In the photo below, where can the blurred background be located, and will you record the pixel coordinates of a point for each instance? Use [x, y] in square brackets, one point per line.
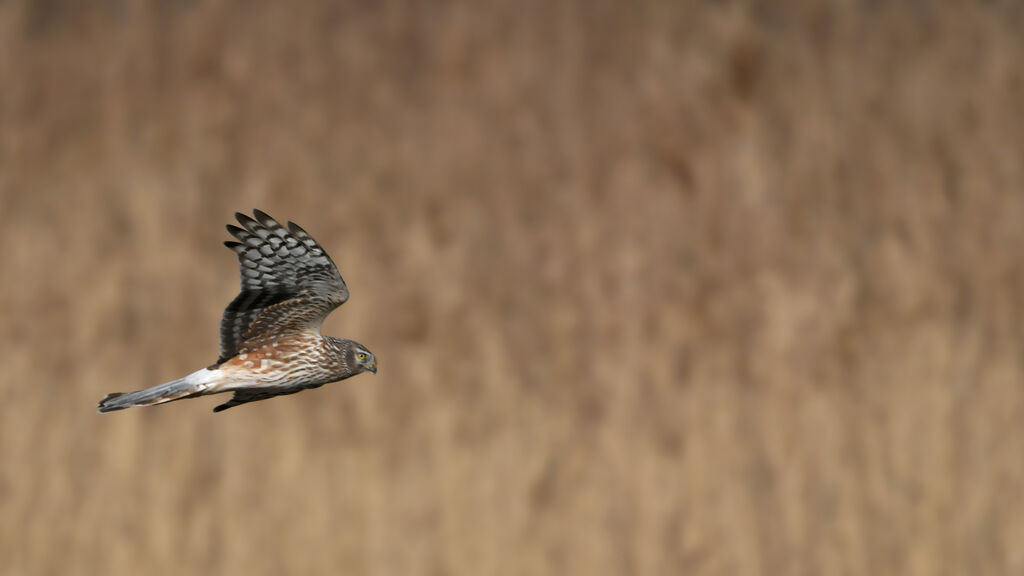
[702, 288]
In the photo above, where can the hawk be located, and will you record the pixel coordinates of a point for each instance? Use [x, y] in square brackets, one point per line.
[270, 341]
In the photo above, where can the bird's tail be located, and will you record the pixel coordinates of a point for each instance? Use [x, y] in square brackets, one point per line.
[194, 384]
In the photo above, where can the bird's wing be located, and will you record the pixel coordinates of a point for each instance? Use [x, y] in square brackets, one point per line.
[288, 283]
[245, 396]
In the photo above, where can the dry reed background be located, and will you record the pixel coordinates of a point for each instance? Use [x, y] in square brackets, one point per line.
[708, 288]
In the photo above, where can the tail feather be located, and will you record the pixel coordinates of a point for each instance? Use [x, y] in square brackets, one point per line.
[192, 385]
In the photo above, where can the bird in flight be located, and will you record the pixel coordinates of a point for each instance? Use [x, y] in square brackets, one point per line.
[270, 341]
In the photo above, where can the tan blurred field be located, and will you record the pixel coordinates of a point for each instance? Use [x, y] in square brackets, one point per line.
[668, 288]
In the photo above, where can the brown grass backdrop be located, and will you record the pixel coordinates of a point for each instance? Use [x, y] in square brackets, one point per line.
[703, 288]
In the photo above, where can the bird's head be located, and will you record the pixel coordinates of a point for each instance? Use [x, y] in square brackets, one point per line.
[355, 357]
[361, 359]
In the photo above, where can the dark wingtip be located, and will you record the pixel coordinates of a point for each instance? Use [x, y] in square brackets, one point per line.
[296, 229]
[263, 216]
[245, 220]
[236, 231]
[269, 223]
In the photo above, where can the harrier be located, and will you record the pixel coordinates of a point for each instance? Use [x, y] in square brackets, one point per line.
[270, 342]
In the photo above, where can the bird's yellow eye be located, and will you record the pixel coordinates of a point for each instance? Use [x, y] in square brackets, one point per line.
[361, 356]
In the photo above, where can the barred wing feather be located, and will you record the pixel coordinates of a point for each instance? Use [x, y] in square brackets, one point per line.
[288, 283]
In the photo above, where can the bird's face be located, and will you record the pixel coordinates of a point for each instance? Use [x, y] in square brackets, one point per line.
[364, 360]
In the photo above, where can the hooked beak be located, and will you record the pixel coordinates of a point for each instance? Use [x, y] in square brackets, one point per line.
[372, 367]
